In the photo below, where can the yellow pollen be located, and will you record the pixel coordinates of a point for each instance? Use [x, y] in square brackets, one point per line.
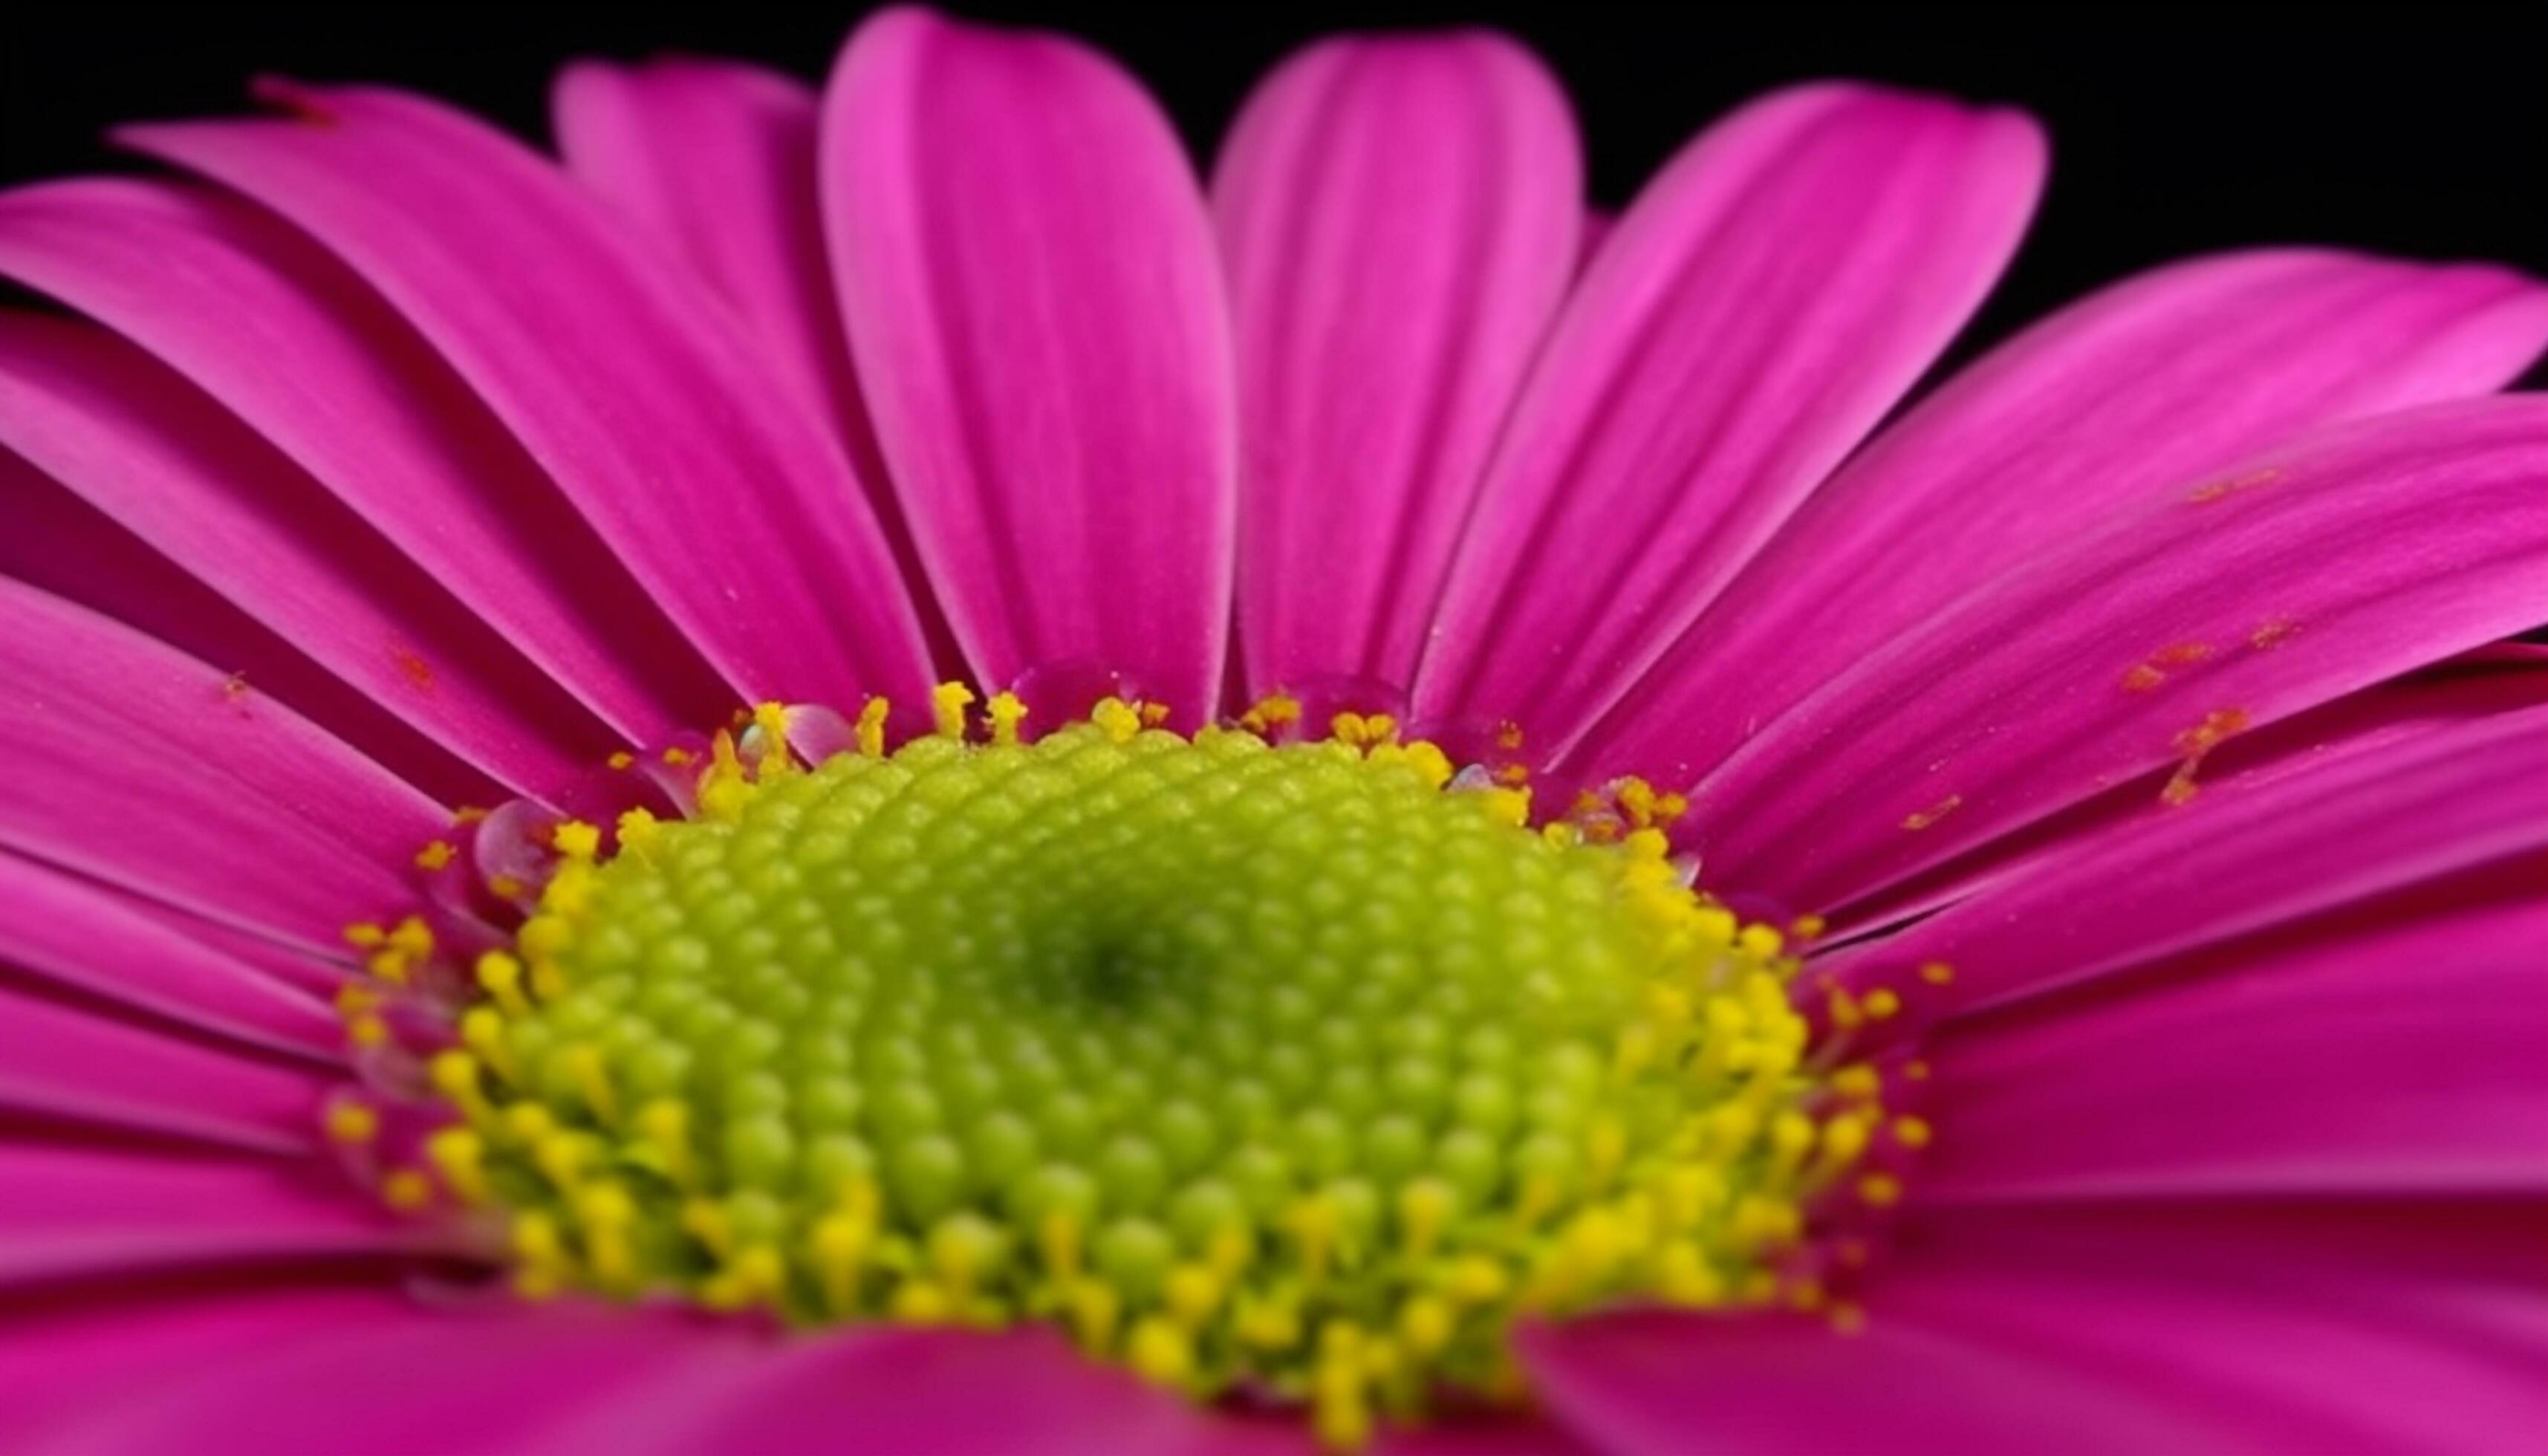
[949, 702]
[870, 728]
[1007, 711]
[406, 1190]
[1117, 719]
[1271, 714]
[770, 720]
[352, 1123]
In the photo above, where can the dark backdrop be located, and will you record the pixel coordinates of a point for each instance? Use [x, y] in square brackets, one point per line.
[2415, 129]
[2420, 130]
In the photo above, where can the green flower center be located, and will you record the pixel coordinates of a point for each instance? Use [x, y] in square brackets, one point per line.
[1294, 1068]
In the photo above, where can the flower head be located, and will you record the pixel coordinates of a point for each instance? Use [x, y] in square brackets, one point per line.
[863, 773]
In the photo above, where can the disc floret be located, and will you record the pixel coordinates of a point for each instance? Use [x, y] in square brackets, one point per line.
[1287, 1067]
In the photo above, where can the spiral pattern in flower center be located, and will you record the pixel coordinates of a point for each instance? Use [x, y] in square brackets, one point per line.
[1300, 1069]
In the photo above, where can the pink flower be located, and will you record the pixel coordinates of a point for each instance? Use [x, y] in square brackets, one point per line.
[2121, 723]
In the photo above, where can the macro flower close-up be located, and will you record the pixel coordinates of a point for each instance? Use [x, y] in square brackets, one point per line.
[880, 768]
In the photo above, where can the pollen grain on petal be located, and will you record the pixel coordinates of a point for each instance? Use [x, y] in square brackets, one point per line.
[2164, 666]
[2196, 744]
[2229, 485]
[413, 668]
[2273, 632]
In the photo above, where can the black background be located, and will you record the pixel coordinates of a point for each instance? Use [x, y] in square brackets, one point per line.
[2417, 129]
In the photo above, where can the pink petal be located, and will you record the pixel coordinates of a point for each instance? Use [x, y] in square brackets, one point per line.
[2336, 1327]
[276, 328]
[1028, 278]
[1488, 1433]
[2247, 857]
[79, 935]
[2367, 551]
[2151, 384]
[63, 545]
[1398, 216]
[145, 448]
[1765, 302]
[1597, 228]
[320, 974]
[143, 767]
[58, 1059]
[716, 159]
[2478, 1263]
[1680, 1384]
[382, 1375]
[907, 1390]
[65, 1362]
[2400, 1046]
[2200, 1329]
[80, 1213]
[321, 1371]
[2498, 679]
[621, 374]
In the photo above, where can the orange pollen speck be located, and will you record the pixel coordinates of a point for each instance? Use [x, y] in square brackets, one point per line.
[2272, 633]
[2197, 743]
[415, 668]
[2154, 671]
[2219, 490]
[1925, 818]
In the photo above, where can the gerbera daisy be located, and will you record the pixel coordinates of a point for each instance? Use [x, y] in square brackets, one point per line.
[865, 774]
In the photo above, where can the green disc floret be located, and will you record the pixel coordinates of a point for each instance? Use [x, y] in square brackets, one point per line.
[1298, 1067]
